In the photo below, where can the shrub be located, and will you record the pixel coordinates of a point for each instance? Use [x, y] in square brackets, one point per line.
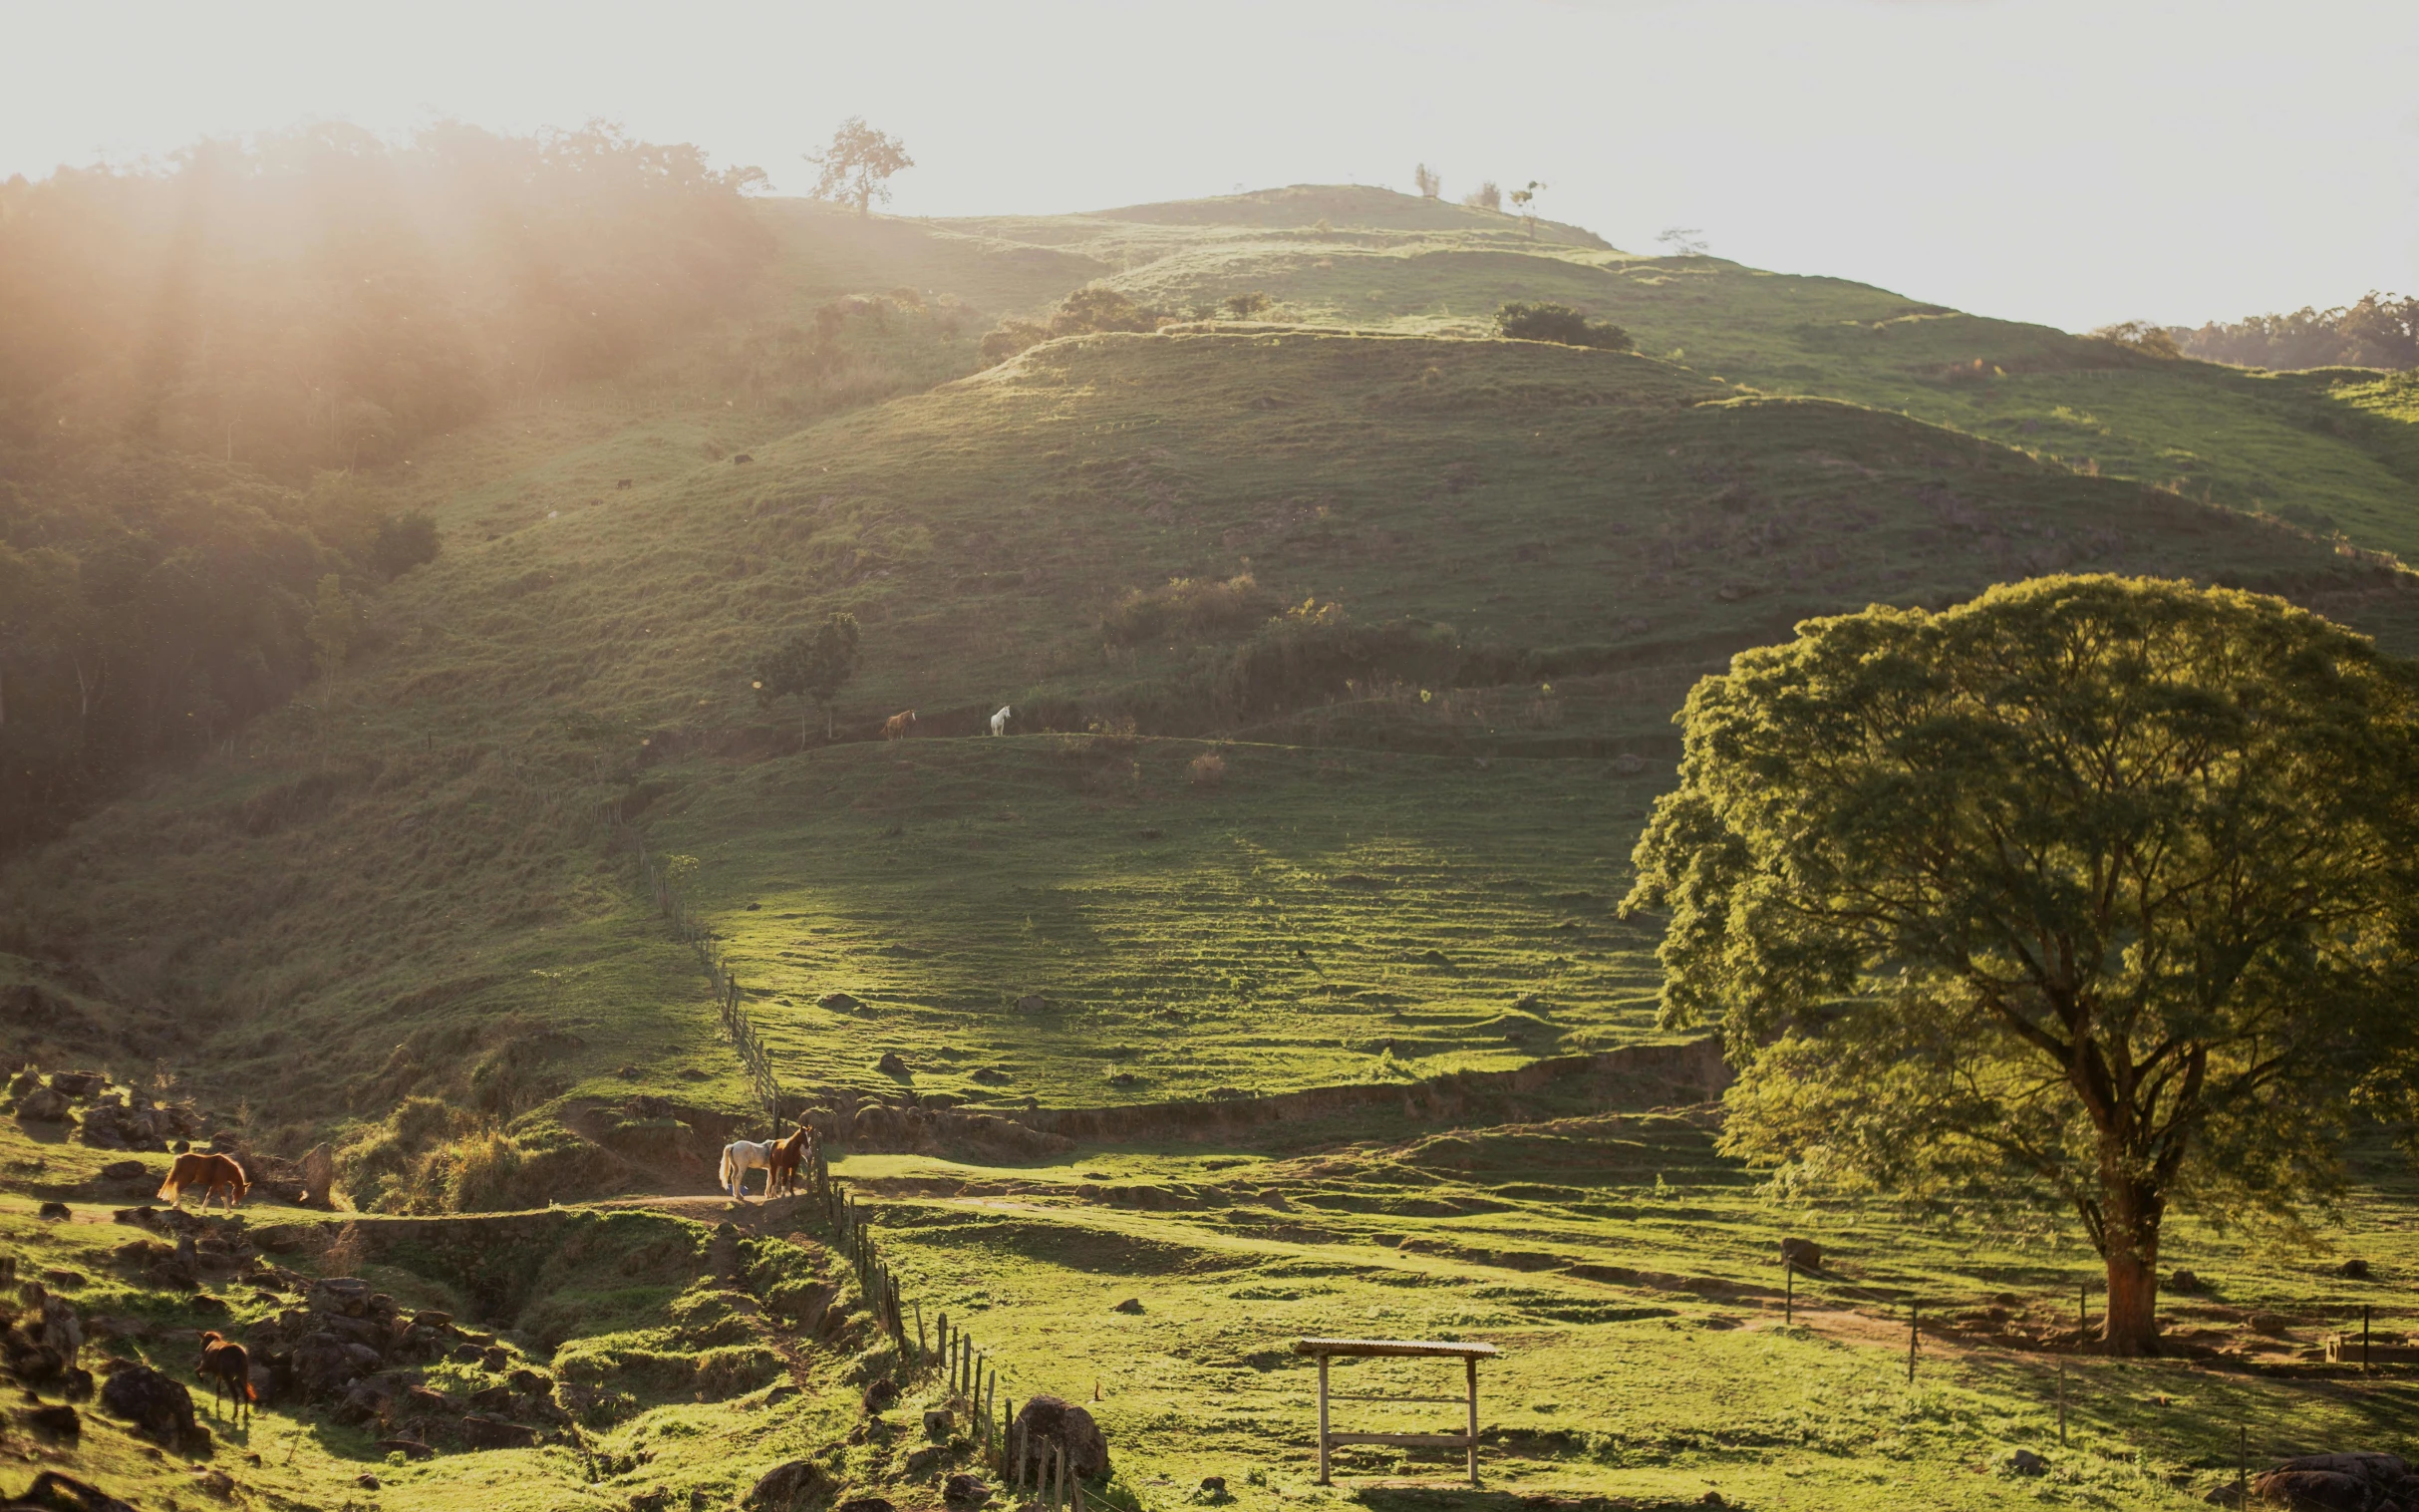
[404, 543]
[1559, 323]
[1094, 307]
[1208, 769]
[1246, 306]
[1314, 650]
[1198, 606]
[1487, 197]
[1010, 337]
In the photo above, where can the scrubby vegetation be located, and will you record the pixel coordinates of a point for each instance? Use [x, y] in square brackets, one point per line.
[2374, 331]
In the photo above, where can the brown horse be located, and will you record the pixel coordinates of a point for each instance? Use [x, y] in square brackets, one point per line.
[227, 1366]
[787, 1155]
[216, 1175]
[899, 725]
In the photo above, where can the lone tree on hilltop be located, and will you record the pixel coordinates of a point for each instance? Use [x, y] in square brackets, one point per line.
[2095, 893]
[1487, 197]
[811, 668]
[1553, 322]
[1427, 180]
[858, 165]
[1524, 200]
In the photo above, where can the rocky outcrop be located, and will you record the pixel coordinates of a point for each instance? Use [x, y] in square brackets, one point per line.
[159, 1408]
[2341, 1483]
[1049, 1422]
[788, 1485]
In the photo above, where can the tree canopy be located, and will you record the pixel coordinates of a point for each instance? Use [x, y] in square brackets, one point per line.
[2092, 892]
[812, 666]
[857, 167]
[1560, 323]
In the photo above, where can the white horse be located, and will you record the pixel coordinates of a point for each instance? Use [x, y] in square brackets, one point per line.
[738, 1158]
[999, 722]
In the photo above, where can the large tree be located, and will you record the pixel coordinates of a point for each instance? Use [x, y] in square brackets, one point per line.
[2093, 892]
[811, 668]
[856, 167]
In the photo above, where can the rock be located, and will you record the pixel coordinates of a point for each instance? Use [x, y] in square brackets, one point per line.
[891, 1065]
[1032, 1003]
[1130, 1305]
[217, 1483]
[324, 1364]
[54, 1492]
[78, 1084]
[41, 1106]
[122, 1170]
[2353, 1269]
[2184, 1281]
[1213, 1485]
[2025, 1463]
[2270, 1324]
[366, 1481]
[531, 1382]
[963, 1490]
[57, 1210]
[1801, 1254]
[922, 1461]
[56, 1418]
[788, 1484]
[492, 1400]
[409, 1448]
[483, 1432]
[429, 1318]
[340, 1294]
[839, 1003]
[864, 1504]
[319, 1177]
[495, 1358]
[159, 1408]
[938, 1422]
[1047, 1420]
[881, 1395]
[429, 1403]
[2314, 1490]
[465, 1354]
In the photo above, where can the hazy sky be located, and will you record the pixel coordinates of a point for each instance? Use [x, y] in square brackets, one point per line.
[2074, 161]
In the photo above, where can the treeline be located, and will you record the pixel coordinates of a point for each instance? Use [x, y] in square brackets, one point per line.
[201, 366]
[2375, 331]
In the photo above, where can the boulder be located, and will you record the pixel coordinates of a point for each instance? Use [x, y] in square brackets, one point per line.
[531, 1382]
[2314, 1490]
[864, 1504]
[839, 1003]
[124, 1170]
[324, 1364]
[1213, 1485]
[891, 1065]
[1801, 1254]
[340, 1294]
[41, 1106]
[319, 1176]
[2184, 1281]
[78, 1084]
[159, 1408]
[963, 1490]
[484, 1432]
[924, 1462]
[881, 1394]
[937, 1422]
[495, 1358]
[409, 1448]
[2025, 1463]
[792, 1483]
[55, 1210]
[492, 1400]
[54, 1419]
[54, 1492]
[1053, 1420]
[2353, 1269]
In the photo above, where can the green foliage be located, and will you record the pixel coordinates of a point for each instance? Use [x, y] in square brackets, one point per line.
[811, 668]
[1315, 649]
[1093, 308]
[1188, 607]
[2374, 331]
[335, 625]
[1555, 322]
[404, 541]
[2093, 890]
[1248, 306]
[856, 168]
[2141, 336]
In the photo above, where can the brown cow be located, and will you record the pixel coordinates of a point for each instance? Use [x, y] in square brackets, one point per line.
[227, 1366]
[216, 1175]
[899, 725]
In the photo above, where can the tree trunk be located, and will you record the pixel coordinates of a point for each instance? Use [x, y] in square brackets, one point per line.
[2131, 1323]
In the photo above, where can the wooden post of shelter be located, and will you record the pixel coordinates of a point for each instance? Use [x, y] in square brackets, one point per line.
[1324, 1349]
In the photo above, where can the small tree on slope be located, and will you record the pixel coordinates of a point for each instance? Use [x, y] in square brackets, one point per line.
[2093, 892]
[811, 668]
[856, 167]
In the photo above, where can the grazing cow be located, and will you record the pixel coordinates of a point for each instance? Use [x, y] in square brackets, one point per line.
[742, 1156]
[899, 725]
[227, 1366]
[741, 457]
[623, 482]
[216, 1175]
[999, 722]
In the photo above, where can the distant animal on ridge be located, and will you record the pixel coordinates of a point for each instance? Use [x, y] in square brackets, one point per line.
[216, 1175]
[781, 1179]
[739, 1158]
[227, 1366]
[999, 722]
[621, 482]
[899, 725]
